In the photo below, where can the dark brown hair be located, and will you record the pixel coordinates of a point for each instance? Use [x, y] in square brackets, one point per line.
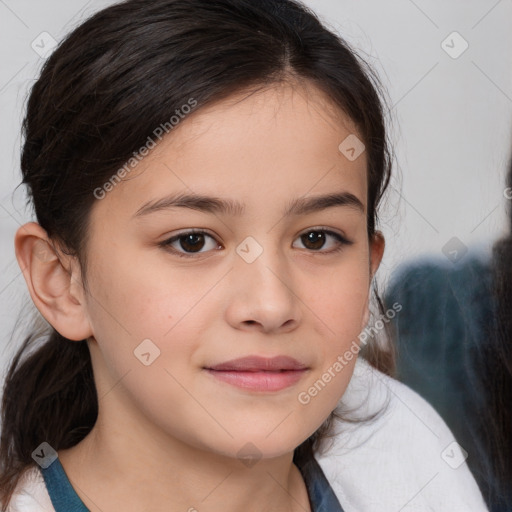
[102, 92]
[493, 367]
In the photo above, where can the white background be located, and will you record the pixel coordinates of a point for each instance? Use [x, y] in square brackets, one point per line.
[451, 119]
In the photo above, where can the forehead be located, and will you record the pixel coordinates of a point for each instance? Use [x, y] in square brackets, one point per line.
[261, 148]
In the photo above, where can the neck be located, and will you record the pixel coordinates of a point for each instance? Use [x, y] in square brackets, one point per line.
[141, 469]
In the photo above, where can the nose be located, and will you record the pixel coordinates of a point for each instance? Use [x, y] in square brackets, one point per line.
[263, 294]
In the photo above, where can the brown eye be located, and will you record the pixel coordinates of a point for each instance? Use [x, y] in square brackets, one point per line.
[315, 239]
[189, 243]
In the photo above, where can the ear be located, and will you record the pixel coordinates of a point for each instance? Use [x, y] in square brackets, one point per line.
[54, 282]
[377, 246]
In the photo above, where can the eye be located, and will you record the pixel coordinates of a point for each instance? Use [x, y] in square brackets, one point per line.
[315, 239]
[190, 241]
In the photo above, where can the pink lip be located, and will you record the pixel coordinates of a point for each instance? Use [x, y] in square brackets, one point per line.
[256, 363]
[259, 373]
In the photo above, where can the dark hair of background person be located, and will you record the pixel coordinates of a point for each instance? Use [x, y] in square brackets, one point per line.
[102, 92]
[493, 362]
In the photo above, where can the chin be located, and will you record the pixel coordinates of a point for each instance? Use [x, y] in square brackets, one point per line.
[260, 445]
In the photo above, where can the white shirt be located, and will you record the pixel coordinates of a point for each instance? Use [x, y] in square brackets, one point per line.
[406, 460]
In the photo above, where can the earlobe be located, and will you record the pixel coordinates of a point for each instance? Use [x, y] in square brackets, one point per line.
[52, 281]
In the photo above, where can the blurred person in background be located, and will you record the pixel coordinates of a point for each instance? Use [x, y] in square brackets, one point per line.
[454, 343]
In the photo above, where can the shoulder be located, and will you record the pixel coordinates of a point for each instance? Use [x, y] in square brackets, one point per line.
[405, 458]
[30, 495]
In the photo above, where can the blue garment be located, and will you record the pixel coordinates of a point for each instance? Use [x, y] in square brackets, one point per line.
[65, 499]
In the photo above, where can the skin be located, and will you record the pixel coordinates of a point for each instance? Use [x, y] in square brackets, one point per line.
[168, 434]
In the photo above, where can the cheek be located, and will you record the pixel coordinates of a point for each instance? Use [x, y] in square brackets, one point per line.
[339, 299]
[140, 299]
[340, 310]
[151, 314]
[146, 333]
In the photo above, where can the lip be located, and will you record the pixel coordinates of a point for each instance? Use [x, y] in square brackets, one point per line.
[258, 373]
[258, 363]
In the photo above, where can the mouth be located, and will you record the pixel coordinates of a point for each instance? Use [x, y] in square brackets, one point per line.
[259, 373]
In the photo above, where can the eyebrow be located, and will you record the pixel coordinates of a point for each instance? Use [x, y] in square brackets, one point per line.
[211, 204]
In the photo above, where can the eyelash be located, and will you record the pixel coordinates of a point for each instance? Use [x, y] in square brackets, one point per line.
[166, 244]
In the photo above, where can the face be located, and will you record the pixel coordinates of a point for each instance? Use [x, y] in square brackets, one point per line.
[170, 310]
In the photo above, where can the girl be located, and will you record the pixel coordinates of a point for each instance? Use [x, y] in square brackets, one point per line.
[206, 178]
